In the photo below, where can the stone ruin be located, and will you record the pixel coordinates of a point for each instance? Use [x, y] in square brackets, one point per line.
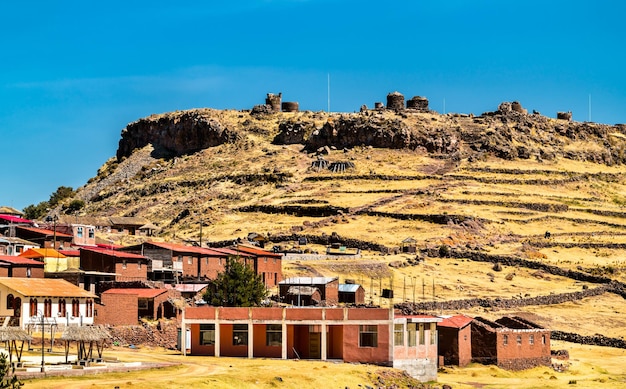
[290, 106]
[564, 115]
[341, 166]
[395, 100]
[418, 103]
[274, 101]
[515, 106]
[320, 163]
[379, 105]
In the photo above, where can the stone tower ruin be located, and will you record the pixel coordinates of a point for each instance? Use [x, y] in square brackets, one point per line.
[395, 100]
[418, 103]
[274, 101]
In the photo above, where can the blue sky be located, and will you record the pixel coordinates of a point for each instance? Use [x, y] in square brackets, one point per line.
[74, 73]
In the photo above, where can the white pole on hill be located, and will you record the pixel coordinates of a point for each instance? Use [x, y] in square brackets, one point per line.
[589, 106]
[328, 92]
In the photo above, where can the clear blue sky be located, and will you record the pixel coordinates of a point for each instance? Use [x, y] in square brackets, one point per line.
[74, 73]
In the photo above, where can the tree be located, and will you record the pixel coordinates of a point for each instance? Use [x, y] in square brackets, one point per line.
[6, 381]
[36, 212]
[62, 193]
[236, 286]
[75, 205]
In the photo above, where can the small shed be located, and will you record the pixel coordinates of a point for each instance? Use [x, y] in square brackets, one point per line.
[351, 294]
[409, 245]
[455, 340]
[302, 296]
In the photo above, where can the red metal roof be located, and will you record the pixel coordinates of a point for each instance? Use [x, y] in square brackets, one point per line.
[187, 249]
[20, 261]
[458, 321]
[232, 252]
[44, 231]
[109, 246]
[15, 219]
[114, 253]
[141, 293]
[70, 253]
[257, 251]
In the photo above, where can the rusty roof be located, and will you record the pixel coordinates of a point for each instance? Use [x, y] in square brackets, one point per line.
[139, 292]
[113, 253]
[20, 260]
[187, 249]
[45, 232]
[457, 321]
[44, 287]
[257, 251]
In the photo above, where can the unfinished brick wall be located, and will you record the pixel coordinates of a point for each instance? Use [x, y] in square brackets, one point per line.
[117, 310]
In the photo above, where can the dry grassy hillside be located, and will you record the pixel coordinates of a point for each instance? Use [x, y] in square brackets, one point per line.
[490, 185]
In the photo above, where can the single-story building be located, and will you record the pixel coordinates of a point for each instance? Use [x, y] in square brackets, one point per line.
[455, 340]
[119, 306]
[25, 300]
[351, 294]
[328, 287]
[356, 335]
[12, 266]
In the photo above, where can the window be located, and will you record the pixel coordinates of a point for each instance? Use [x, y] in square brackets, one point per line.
[92, 233]
[543, 339]
[139, 264]
[75, 308]
[124, 264]
[142, 304]
[10, 301]
[273, 334]
[531, 339]
[265, 259]
[240, 334]
[180, 258]
[422, 336]
[89, 312]
[47, 308]
[79, 232]
[505, 339]
[411, 329]
[519, 339]
[33, 307]
[368, 336]
[28, 272]
[263, 277]
[190, 260]
[398, 334]
[62, 310]
[207, 334]
[433, 333]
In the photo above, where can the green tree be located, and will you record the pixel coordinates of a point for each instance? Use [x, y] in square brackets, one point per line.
[35, 212]
[236, 286]
[7, 381]
[75, 205]
[62, 193]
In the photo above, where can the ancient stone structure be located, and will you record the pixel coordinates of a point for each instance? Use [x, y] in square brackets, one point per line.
[379, 105]
[395, 100]
[291, 133]
[564, 115]
[517, 107]
[418, 103]
[274, 101]
[290, 106]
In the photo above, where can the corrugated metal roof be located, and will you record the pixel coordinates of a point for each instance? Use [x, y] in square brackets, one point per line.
[307, 280]
[44, 231]
[20, 260]
[115, 253]
[349, 288]
[256, 251]
[44, 287]
[42, 253]
[458, 321]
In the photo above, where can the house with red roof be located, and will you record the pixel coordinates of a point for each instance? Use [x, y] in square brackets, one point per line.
[44, 238]
[267, 264]
[12, 266]
[122, 265]
[126, 306]
[455, 340]
[15, 246]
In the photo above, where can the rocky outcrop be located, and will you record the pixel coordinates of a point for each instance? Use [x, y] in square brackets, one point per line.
[176, 133]
[291, 133]
[362, 130]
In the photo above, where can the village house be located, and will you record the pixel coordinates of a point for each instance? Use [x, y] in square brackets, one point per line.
[123, 266]
[267, 264]
[353, 335]
[328, 288]
[15, 246]
[44, 238]
[127, 225]
[126, 306]
[12, 266]
[510, 343]
[455, 340]
[83, 234]
[25, 300]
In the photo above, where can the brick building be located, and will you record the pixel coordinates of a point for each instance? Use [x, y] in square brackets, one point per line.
[328, 287]
[122, 265]
[510, 342]
[351, 294]
[11, 266]
[354, 335]
[455, 340]
[126, 306]
[267, 264]
[44, 238]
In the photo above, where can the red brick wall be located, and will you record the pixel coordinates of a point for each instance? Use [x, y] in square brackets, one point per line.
[272, 268]
[37, 272]
[522, 355]
[353, 353]
[117, 310]
[134, 271]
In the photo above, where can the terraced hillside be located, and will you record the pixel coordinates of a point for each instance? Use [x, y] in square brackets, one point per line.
[478, 194]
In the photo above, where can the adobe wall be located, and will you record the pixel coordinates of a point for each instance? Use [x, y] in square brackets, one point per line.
[134, 271]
